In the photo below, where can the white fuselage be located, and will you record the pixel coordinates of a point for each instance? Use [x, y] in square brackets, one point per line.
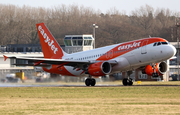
[132, 58]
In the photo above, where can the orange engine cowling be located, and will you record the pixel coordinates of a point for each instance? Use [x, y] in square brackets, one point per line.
[160, 68]
[99, 69]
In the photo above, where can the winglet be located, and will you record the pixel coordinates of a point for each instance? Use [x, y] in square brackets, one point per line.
[5, 57]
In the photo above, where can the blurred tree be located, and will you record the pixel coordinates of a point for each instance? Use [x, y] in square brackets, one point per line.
[18, 24]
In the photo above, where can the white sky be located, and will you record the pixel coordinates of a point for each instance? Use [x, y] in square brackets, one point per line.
[103, 5]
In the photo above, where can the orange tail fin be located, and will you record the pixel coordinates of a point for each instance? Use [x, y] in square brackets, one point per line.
[50, 47]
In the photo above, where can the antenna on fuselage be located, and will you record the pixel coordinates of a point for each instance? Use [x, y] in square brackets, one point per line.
[149, 36]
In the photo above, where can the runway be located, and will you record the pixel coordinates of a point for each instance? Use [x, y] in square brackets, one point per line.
[76, 85]
[51, 85]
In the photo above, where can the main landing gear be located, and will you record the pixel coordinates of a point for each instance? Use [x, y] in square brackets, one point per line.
[90, 81]
[128, 81]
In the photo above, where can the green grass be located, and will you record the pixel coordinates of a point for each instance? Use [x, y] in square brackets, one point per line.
[90, 100]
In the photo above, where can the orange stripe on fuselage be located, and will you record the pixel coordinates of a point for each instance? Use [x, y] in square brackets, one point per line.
[127, 47]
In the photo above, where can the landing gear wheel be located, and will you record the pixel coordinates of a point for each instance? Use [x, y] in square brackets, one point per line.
[125, 81]
[130, 82]
[88, 82]
[93, 82]
[155, 75]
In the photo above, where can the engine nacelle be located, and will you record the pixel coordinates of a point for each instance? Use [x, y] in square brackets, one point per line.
[160, 68]
[99, 69]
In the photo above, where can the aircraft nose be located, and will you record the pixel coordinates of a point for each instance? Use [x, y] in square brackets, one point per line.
[171, 51]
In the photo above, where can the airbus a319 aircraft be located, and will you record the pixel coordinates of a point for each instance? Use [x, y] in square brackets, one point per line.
[148, 54]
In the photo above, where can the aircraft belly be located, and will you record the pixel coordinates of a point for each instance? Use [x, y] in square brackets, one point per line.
[132, 60]
[123, 64]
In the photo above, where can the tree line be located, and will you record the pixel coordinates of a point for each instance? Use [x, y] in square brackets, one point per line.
[18, 24]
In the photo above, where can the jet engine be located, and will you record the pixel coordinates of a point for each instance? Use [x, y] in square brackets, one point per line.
[160, 68]
[99, 69]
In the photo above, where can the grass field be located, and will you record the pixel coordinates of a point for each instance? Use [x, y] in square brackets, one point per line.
[141, 100]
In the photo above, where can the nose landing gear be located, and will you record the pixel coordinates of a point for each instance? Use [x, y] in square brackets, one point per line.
[154, 70]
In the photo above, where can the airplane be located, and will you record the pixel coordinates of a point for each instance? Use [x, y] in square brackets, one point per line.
[148, 54]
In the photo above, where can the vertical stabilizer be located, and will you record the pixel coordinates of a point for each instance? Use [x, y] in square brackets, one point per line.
[50, 47]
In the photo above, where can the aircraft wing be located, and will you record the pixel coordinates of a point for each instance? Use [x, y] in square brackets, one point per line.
[174, 57]
[47, 61]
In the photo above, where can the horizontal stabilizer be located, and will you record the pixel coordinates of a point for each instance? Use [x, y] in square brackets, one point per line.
[5, 57]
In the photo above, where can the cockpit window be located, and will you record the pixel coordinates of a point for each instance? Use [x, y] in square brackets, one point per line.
[154, 44]
[159, 43]
[164, 43]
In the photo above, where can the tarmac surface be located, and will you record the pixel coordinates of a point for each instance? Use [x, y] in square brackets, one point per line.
[71, 85]
[51, 85]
